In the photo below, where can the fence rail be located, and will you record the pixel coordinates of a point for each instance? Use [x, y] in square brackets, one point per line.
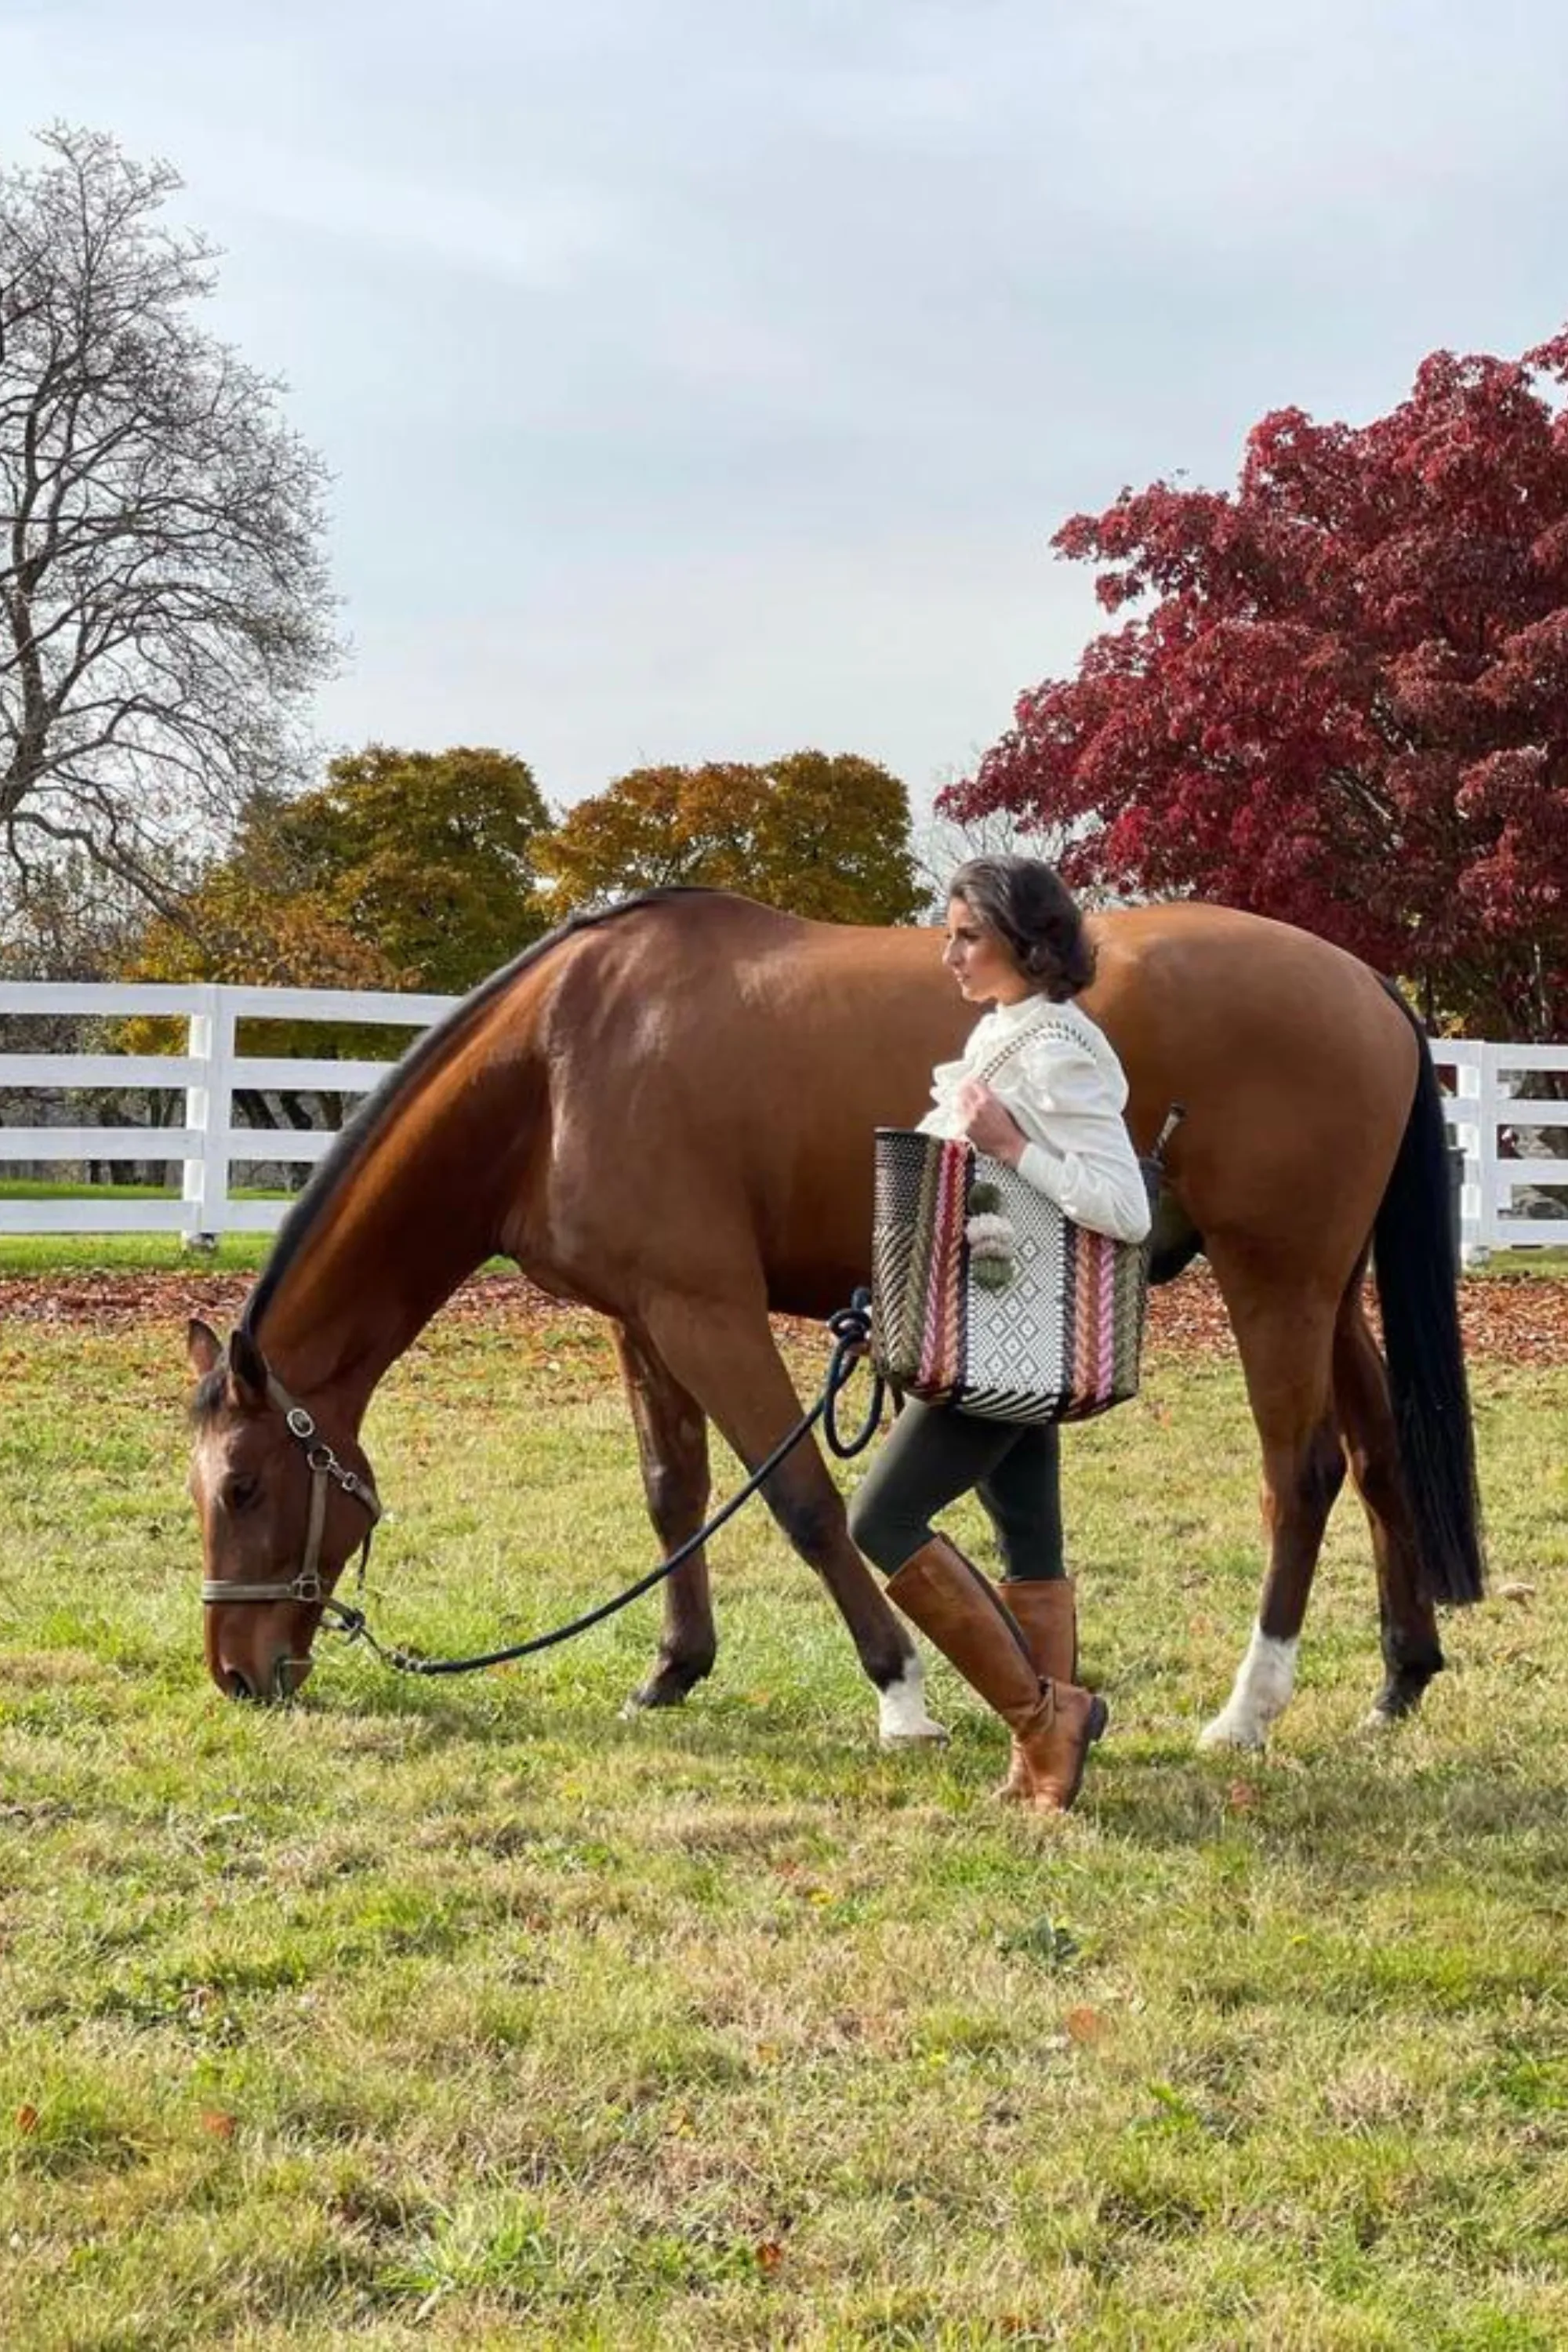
[1489, 1109]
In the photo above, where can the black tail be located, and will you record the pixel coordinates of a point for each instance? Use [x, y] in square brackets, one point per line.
[1416, 1256]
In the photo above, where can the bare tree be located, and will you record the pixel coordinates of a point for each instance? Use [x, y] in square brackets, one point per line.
[943, 844]
[164, 600]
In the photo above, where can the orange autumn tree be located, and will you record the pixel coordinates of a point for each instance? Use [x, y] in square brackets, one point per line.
[817, 833]
[403, 870]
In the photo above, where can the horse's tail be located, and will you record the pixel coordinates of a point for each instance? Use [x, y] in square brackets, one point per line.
[1417, 1256]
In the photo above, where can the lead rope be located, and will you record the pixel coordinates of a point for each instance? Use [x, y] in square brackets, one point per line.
[851, 1330]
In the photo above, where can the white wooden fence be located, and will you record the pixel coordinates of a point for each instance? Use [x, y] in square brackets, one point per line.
[1491, 1111]
[1494, 1118]
[208, 1074]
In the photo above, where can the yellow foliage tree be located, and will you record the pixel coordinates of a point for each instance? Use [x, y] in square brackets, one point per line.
[817, 833]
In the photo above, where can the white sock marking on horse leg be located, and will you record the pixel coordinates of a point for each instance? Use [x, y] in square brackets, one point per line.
[1264, 1681]
[902, 1711]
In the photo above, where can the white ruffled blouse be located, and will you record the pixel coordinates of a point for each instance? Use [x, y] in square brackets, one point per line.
[1066, 1090]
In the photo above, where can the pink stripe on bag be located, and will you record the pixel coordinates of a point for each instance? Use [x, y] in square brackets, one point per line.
[938, 1363]
[1105, 1266]
[1085, 1300]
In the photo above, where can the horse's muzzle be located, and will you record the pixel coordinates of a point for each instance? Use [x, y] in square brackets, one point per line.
[289, 1675]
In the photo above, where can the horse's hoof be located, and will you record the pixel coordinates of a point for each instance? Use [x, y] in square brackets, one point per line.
[1228, 1731]
[661, 1691]
[669, 1683]
[902, 1717]
[1392, 1707]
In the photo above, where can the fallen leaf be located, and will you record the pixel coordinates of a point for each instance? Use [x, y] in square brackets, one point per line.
[1086, 2025]
[217, 2124]
[26, 2119]
[1241, 1797]
[770, 2255]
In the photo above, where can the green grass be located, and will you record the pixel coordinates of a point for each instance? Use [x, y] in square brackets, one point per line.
[471, 2015]
[34, 1188]
[78, 1253]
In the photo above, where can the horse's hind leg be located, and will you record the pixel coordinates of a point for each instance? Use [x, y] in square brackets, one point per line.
[1412, 1652]
[725, 1357]
[1286, 1351]
[672, 1444]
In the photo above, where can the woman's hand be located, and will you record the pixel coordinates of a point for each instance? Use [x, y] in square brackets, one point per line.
[988, 1123]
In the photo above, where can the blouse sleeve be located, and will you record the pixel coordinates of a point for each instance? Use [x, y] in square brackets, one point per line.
[945, 1081]
[1077, 1147]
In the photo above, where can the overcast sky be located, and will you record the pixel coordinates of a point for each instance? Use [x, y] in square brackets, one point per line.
[706, 380]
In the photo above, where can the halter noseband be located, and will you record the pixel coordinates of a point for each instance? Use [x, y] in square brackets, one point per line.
[325, 1469]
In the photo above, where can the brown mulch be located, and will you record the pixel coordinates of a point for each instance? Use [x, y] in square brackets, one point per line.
[1511, 1319]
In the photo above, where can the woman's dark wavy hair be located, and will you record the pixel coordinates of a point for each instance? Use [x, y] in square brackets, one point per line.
[1029, 906]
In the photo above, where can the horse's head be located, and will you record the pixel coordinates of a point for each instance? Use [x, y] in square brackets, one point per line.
[282, 1505]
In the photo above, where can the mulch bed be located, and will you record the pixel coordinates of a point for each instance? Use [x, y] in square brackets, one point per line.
[1510, 1318]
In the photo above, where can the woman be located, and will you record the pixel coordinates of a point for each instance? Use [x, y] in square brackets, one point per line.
[1052, 1110]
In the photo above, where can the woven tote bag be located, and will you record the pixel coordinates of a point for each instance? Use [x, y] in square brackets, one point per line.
[987, 1296]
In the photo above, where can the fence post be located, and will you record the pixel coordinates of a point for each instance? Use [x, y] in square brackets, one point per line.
[208, 1112]
[1489, 1098]
[1468, 1116]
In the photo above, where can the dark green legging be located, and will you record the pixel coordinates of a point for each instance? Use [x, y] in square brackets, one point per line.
[932, 1456]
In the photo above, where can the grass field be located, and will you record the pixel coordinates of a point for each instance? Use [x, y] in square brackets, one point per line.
[471, 2015]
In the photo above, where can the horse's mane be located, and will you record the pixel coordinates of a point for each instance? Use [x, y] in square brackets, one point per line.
[372, 1117]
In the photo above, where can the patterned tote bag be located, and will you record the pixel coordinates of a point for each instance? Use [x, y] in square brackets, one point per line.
[987, 1296]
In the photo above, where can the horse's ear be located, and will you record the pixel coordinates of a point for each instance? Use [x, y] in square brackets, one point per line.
[247, 1376]
[202, 1346]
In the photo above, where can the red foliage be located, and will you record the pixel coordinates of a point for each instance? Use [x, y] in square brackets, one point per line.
[1341, 695]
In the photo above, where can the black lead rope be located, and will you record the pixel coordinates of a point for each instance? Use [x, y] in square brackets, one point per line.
[851, 1330]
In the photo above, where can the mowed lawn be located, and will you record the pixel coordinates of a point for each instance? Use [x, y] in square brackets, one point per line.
[468, 2014]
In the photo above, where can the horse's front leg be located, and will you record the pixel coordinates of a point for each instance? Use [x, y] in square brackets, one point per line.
[672, 1444]
[723, 1356]
[1285, 1347]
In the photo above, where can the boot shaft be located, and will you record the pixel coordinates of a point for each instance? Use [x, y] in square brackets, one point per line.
[1045, 1609]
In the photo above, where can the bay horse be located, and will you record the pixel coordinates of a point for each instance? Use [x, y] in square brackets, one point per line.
[664, 1112]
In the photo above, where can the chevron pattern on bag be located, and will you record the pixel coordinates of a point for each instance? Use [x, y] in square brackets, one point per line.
[1057, 1337]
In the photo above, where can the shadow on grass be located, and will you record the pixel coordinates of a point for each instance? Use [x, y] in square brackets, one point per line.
[1383, 1816]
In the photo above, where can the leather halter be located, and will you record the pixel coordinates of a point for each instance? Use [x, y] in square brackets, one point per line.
[325, 1470]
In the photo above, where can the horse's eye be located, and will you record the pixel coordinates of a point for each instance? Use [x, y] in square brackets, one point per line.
[240, 1493]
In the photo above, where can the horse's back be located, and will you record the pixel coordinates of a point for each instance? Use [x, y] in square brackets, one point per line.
[719, 1069]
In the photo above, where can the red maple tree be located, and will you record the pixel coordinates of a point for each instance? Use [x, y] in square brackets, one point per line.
[1342, 699]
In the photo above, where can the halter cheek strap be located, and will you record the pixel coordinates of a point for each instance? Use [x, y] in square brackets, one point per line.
[326, 1471]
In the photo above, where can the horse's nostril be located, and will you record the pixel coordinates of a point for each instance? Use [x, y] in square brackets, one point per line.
[237, 1686]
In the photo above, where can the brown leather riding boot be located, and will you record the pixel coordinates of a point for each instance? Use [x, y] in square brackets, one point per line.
[1045, 1609]
[1053, 1722]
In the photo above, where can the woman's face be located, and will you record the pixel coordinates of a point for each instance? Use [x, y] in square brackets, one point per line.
[983, 963]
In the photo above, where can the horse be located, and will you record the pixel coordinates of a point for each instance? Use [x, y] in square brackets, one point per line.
[664, 1110]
